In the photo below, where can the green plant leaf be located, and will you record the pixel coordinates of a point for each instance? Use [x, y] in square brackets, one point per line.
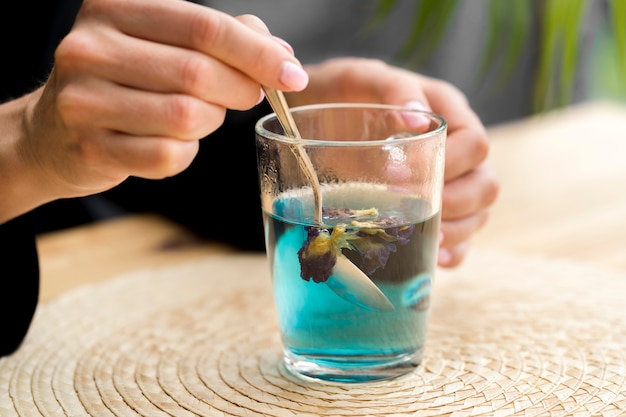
[618, 26]
[495, 12]
[559, 42]
[520, 12]
[430, 21]
[548, 41]
[570, 51]
[382, 11]
[509, 23]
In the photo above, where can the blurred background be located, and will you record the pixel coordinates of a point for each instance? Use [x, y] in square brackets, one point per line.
[511, 58]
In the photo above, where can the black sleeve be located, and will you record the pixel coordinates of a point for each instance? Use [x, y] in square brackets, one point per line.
[19, 281]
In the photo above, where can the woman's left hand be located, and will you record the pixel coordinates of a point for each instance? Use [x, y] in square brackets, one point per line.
[471, 186]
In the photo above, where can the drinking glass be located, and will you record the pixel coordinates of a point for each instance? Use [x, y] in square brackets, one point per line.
[352, 281]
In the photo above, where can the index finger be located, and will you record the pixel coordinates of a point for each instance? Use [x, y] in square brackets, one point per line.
[467, 144]
[192, 26]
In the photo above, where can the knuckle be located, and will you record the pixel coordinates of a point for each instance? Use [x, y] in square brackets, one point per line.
[453, 209]
[183, 115]
[172, 157]
[357, 66]
[449, 89]
[492, 190]
[207, 30]
[247, 96]
[477, 221]
[191, 119]
[480, 143]
[456, 259]
[193, 73]
[98, 7]
[75, 48]
[265, 55]
[363, 67]
[71, 103]
[167, 157]
[374, 63]
[244, 104]
[253, 22]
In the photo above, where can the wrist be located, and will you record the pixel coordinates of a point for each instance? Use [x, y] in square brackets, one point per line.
[21, 188]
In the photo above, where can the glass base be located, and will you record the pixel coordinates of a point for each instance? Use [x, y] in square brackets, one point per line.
[351, 369]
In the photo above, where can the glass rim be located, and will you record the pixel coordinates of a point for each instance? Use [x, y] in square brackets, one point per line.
[262, 131]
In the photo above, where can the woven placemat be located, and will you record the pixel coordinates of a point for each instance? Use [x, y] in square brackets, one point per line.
[507, 336]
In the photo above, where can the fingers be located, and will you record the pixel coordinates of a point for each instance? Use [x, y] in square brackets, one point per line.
[359, 80]
[455, 236]
[193, 27]
[150, 157]
[468, 194]
[119, 69]
[451, 257]
[163, 69]
[136, 83]
[470, 185]
[98, 104]
[466, 148]
[457, 231]
[122, 43]
[254, 23]
[467, 143]
[466, 202]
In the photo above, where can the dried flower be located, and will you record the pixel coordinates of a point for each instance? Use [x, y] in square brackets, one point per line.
[374, 241]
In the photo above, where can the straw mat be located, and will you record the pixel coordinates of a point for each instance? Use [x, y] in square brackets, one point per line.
[507, 336]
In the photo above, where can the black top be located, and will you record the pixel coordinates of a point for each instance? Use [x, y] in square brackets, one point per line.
[19, 281]
[216, 197]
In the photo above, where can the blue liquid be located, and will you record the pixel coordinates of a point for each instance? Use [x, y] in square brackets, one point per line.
[329, 337]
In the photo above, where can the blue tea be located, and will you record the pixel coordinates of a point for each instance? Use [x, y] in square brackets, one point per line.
[330, 329]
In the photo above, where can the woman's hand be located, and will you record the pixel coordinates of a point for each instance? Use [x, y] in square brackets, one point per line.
[470, 185]
[135, 84]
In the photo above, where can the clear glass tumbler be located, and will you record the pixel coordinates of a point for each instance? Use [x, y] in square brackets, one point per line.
[352, 287]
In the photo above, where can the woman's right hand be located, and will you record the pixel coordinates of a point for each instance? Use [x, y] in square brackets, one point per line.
[135, 85]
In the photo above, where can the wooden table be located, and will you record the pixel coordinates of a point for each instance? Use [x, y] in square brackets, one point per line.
[563, 186]
[532, 323]
[563, 195]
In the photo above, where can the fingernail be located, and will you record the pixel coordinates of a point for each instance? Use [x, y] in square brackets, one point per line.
[415, 120]
[261, 96]
[293, 76]
[283, 43]
[416, 105]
